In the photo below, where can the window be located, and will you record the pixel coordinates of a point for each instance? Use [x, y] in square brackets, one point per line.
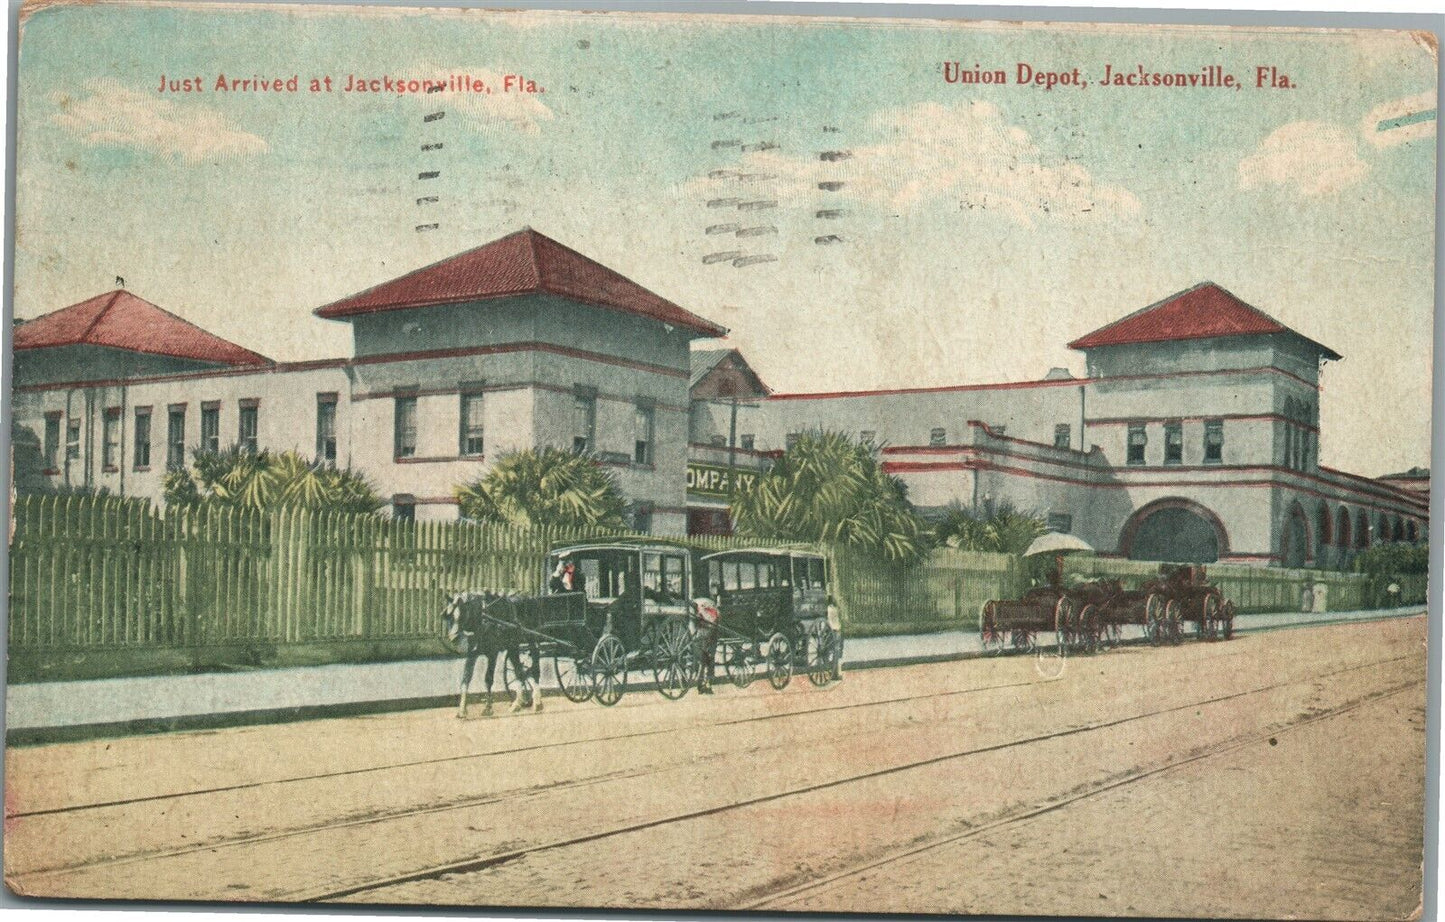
[642, 518]
[718, 441]
[792, 439]
[1174, 443]
[403, 508]
[472, 442]
[867, 436]
[110, 440]
[246, 433]
[937, 437]
[404, 430]
[176, 436]
[1213, 441]
[210, 427]
[326, 428]
[642, 436]
[52, 441]
[1061, 522]
[142, 439]
[746, 441]
[1063, 436]
[584, 422]
[72, 439]
[1137, 440]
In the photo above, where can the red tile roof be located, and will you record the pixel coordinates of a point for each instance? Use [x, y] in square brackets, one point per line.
[524, 262]
[1202, 312]
[120, 320]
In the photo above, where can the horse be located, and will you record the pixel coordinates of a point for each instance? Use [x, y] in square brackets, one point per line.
[481, 624]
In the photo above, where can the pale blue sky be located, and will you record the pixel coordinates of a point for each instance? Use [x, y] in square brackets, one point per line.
[983, 226]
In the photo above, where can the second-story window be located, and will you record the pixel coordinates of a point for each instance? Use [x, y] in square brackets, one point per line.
[176, 437]
[142, 438]
[110, 440]
[52, 441]
[584, 422]
[937, 437]
[1213, 441]
[642, 435]
[211, 426]
[791, 439]
[1137, 441]
[404, 435]
[326, 428]
[1063, 436]
[250, 420]
[472, 441]
[1174, 442]
[867, 437]
[746, 441]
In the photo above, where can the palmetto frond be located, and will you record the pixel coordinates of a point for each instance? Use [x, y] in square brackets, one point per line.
[547, 488]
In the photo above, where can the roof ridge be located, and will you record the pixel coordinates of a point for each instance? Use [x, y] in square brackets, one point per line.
[100, 314]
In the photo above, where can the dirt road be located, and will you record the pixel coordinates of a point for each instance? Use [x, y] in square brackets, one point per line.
[1275, 775]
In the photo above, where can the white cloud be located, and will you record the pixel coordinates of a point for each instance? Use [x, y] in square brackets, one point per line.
[1401, 121]
[113, 115]
[1311, 158]
[966, 153]
[522, 111]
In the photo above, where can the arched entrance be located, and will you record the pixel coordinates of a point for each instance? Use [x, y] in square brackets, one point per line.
[1175, 530]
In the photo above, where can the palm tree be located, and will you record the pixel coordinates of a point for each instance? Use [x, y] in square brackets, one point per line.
[266, 480]
[829, 488]
[545, 487]
[1002, 529]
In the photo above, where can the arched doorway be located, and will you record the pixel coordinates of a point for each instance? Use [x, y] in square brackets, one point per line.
[1174, 530]
[1362, 529]
[1412, 531]
[1344, 529]
[1295, 542]
[1324, 537]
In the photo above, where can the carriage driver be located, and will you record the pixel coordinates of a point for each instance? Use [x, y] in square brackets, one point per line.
[706, 617]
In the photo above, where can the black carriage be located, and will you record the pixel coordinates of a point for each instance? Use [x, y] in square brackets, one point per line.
[1192, 598]
[775, 609]
[605, 610]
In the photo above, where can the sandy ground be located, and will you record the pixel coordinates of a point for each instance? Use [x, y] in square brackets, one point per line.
[1275, 775]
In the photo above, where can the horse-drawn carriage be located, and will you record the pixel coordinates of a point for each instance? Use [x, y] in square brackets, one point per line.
[1091, 615]
[774, 611]
[605, 610]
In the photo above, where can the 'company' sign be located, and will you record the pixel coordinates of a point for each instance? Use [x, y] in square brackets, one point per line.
[715, 480]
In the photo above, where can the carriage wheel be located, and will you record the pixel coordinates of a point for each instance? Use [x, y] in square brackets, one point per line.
[739, 668]
[822, 653]
[574, 676]
[780, 661]
[513, 682]
[609, 670]
[1209, 618]
[1173, 633]
[1154, 619]
[991, 638]
[675, 663]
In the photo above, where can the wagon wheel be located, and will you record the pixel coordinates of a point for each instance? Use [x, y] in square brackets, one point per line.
[513, 682]
[1209, 618]
[780, 661]
[1023, 641]
[822, 653]
[574, 676]
[1154, 607]
[739, 669]
[1064, 632]
[1088, 620]
[609, 670]
[991, 637]
[1173, 633]
[675, 664]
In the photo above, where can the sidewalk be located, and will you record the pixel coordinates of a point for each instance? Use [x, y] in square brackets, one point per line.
[60, 710]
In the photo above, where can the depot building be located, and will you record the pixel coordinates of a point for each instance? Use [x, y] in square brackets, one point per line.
[1194, 434]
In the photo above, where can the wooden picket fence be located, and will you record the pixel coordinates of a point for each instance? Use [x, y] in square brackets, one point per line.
[103, 573]
[90, 572]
